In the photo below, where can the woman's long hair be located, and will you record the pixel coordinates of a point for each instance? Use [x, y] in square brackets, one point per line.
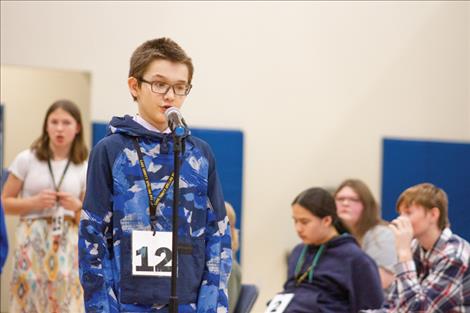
[370, 215]
[78, 151]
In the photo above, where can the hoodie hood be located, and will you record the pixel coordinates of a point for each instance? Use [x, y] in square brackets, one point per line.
[341, 240]
[127, 126]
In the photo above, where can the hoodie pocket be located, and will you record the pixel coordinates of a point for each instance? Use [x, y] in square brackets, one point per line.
[148, 290]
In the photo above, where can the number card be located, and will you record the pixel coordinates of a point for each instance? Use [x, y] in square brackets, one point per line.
[279, 303]
[151, 255]
[57, 223]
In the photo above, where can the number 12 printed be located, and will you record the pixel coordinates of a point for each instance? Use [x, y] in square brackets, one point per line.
[151, 255]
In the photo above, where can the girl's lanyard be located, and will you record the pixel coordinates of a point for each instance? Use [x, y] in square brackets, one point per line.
[300, 277]
[58, 217]
[152, 203]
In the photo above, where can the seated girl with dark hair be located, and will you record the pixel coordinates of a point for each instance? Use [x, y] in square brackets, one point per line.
[328, 271]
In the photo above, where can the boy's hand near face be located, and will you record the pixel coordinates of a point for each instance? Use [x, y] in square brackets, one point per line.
[403, 230]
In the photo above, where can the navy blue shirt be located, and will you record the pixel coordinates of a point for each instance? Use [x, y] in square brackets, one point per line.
[345, 279]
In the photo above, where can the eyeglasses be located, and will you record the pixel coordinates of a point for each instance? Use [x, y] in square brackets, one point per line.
[162, 87]
[348, 199]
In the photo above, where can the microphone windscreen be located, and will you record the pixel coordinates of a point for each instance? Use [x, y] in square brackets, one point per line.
[173, 110]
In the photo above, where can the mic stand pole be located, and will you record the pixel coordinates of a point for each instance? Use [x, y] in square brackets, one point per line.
[178, 144]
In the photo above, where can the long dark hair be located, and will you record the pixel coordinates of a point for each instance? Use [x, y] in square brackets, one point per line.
[78, 151]
[321, 204]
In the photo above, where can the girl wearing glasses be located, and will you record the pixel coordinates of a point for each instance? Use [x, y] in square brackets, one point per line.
[360, 212]
[328, 271]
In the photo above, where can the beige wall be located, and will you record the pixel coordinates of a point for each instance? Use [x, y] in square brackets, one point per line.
[27, 93]
[315, 86]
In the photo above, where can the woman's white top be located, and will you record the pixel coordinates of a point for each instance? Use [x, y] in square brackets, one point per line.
[36, 177]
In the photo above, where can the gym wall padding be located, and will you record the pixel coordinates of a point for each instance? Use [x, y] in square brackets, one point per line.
[444, 164]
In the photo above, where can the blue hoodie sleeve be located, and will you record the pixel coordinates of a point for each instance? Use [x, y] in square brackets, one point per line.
[95, 233]
[3, 239]
[213, 296]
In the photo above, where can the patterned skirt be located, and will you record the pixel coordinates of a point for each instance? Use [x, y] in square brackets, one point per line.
[45, 274]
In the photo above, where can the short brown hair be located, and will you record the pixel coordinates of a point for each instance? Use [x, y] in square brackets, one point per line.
[79, 151]
[370, 215]
[161, 48]
[428, 196]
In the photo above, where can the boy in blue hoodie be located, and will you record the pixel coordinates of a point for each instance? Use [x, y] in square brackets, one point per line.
[125, 231]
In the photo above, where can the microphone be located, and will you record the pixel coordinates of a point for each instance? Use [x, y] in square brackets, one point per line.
[175, 121]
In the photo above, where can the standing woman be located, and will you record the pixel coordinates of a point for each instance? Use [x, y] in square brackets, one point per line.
[360, 212]
[45, 188]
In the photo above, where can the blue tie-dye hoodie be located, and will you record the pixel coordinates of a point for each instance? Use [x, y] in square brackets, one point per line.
[116, 203]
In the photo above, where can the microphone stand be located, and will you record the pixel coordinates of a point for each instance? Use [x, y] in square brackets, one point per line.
[178, 144]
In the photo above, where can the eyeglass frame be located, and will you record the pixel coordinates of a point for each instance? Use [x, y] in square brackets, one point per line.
[168, 89]
[349, 199]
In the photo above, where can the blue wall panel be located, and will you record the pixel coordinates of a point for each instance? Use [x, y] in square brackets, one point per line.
[444, 164]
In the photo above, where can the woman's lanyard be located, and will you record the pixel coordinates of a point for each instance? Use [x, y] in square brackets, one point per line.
[57, 186]
[300, 262]
[152, 203]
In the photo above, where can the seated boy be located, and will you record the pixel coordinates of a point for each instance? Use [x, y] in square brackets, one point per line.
[431, 268]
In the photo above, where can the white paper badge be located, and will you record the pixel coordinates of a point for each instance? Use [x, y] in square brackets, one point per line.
[151, 255]
[57, 222]
[279, 303]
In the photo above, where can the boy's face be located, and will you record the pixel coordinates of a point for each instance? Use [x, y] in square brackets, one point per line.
[422, 220]
[151, 105]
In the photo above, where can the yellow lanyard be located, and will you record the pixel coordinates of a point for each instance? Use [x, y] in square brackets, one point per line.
[152, 204]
